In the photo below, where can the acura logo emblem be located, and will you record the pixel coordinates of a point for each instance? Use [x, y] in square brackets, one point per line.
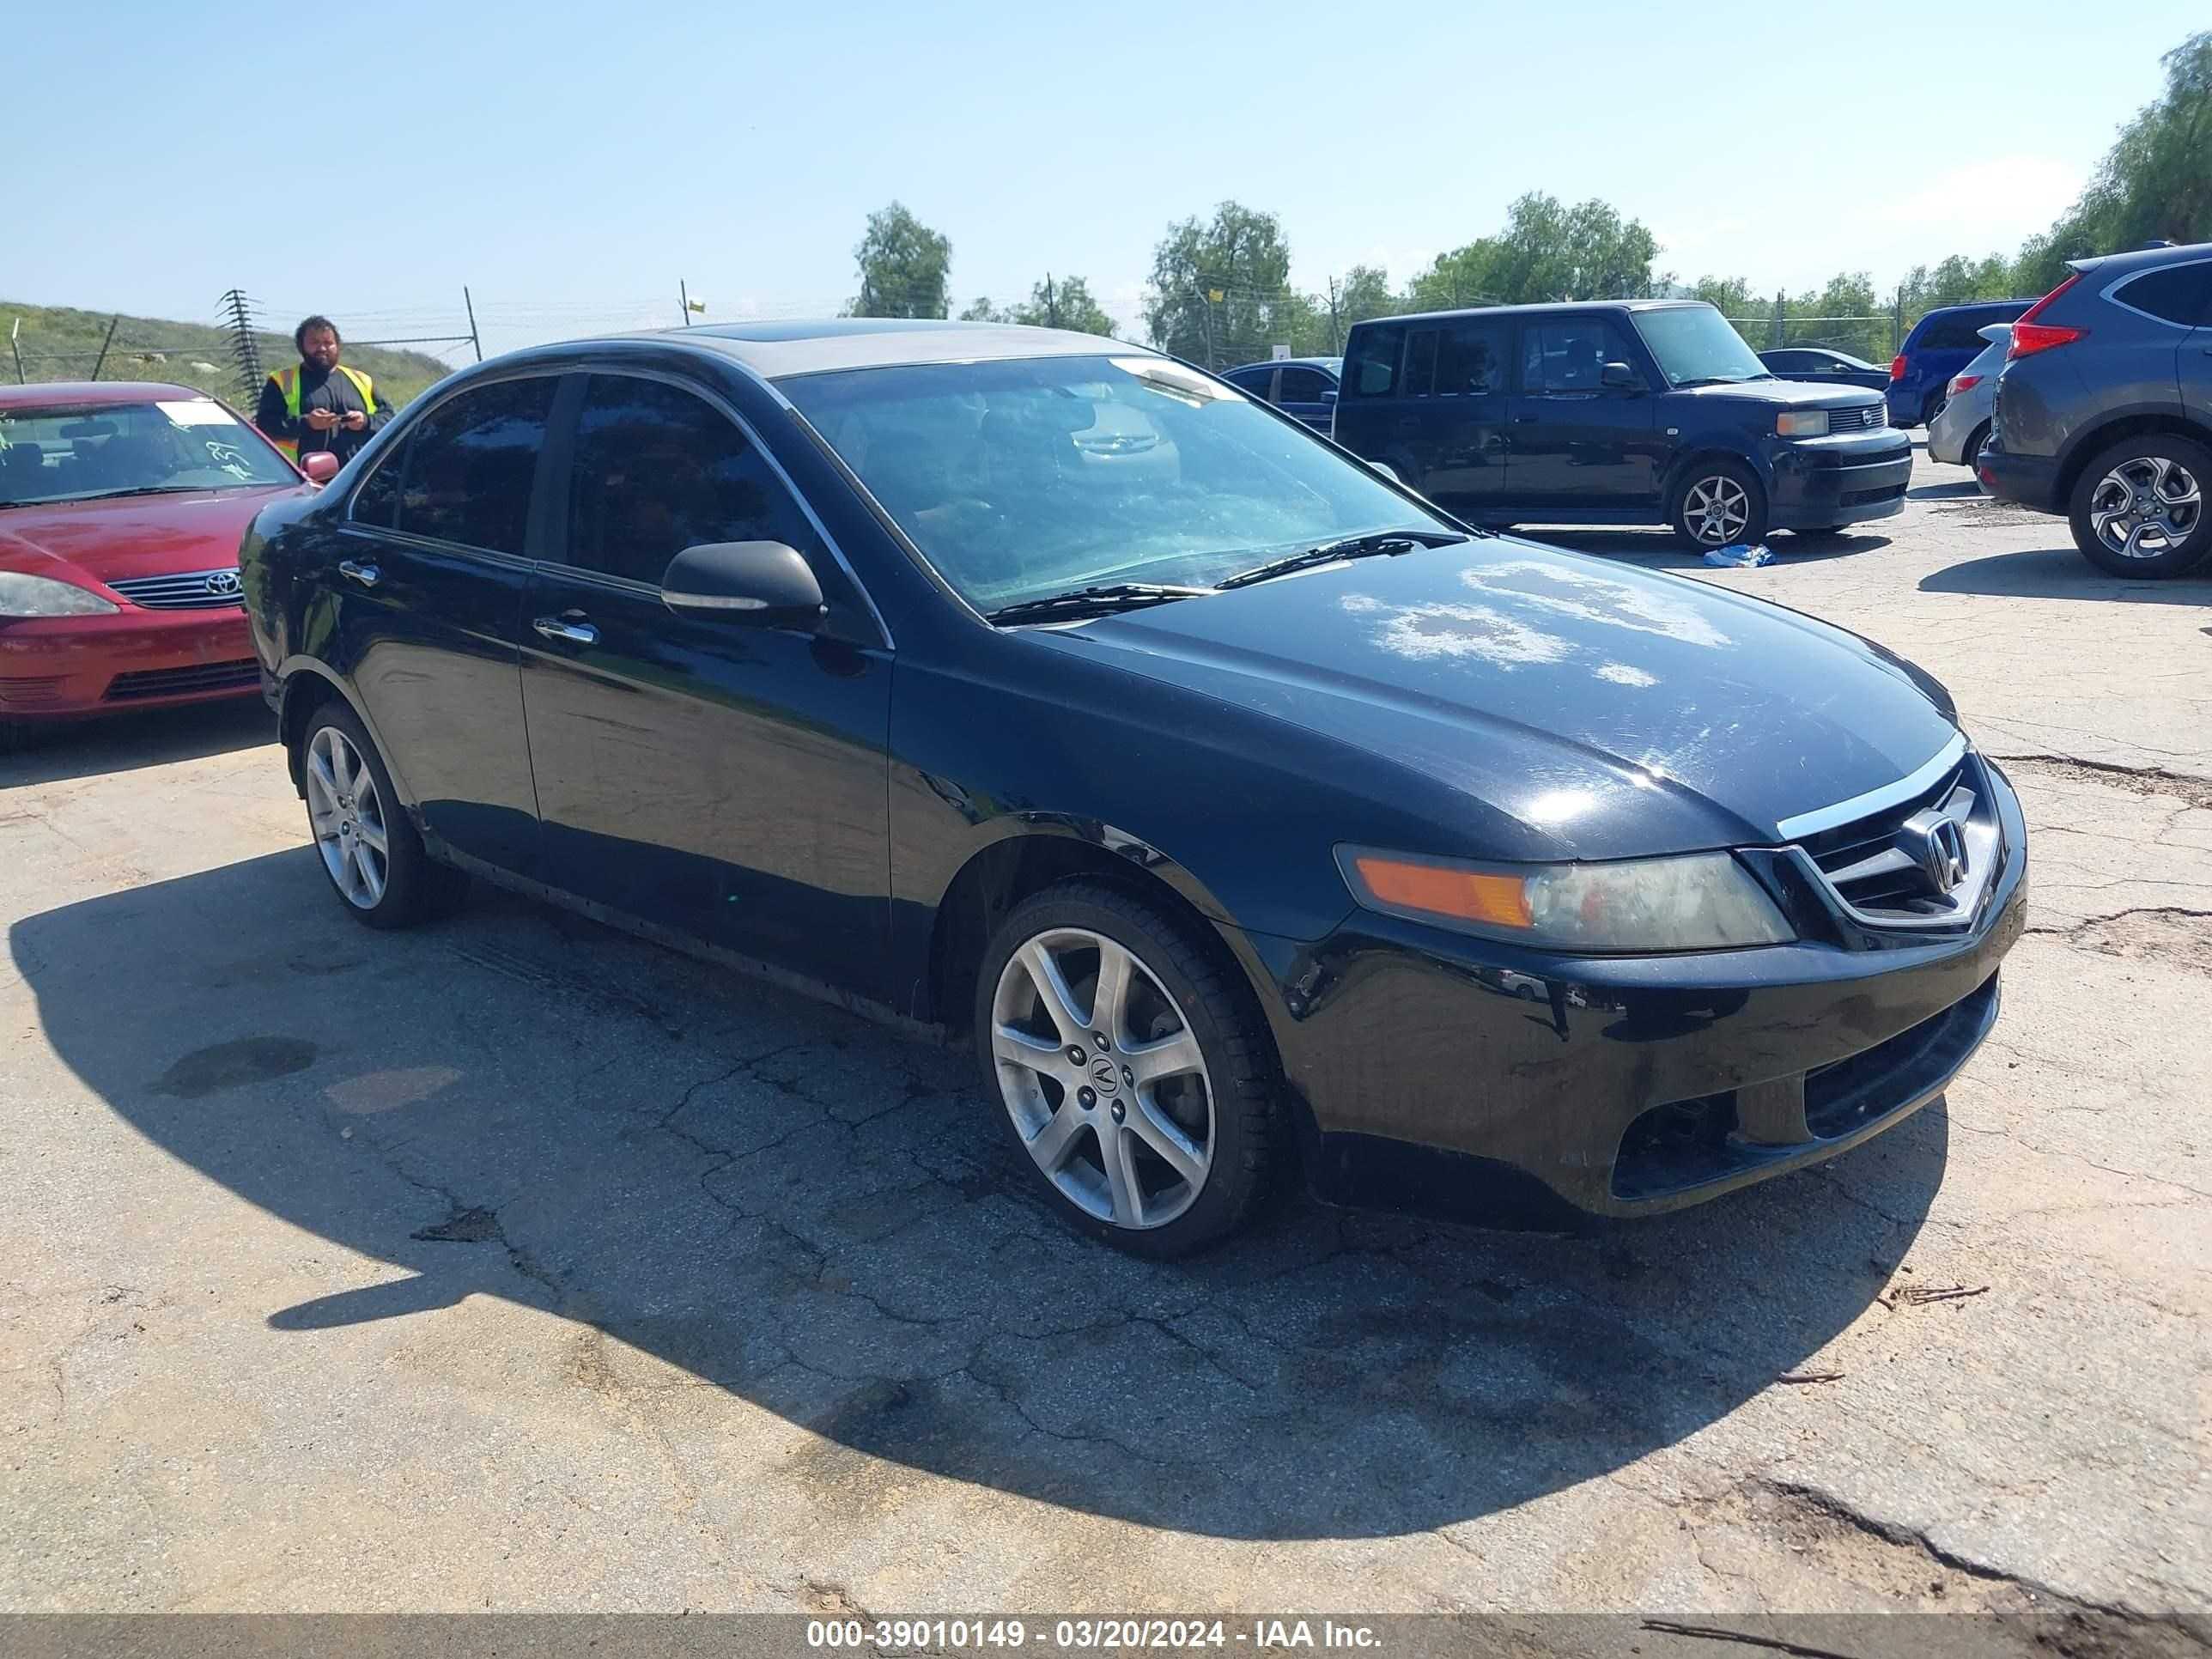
[223, 584]
[1939, 847]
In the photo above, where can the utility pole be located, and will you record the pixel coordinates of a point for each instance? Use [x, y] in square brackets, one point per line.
[1335, 337]
[100, 362]
[474, 343]
[1051, 302]
[15, 335]
[245, 352]
[683, 302]
[1780, 299]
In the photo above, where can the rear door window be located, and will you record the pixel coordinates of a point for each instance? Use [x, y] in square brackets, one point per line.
[1421, 362]
[1302, 385]
[1257, 381]
[1370, 365]
[470, 464]
[2181, 294]
[1471, 358]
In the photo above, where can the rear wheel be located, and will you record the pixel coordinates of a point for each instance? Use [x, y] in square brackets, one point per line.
[376, 862]
[2138, 508]
[1719, 504]
[1970, 455]
[1934, 405]
[1133, 1079]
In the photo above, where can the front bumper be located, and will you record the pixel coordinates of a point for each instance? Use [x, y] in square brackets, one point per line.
[66, 667]
[1459, 1076]
[1837, 481]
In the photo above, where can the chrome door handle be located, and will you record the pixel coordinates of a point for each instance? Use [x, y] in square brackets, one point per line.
[367, 574]
[577, 633]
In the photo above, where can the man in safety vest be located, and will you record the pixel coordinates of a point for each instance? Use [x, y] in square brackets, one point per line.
[321, 403]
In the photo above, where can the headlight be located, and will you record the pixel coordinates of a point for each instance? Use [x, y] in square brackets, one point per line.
[1802, 423]
[1697, 902]
[42, 595]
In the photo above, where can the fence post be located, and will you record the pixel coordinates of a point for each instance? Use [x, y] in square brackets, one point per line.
[12, 337]
[101, 361]
[475, 344]
[1777, 318]
[1335, 333]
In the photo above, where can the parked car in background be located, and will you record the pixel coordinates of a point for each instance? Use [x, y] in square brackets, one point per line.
[616, 623]
[1956, 434]
[1632, 411]
[1304, 386]
[1818, 366]
[1943, 342]
[2103, 412]
[121, 507]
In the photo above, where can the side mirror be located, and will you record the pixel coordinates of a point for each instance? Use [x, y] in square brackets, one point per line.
[766, 583]
[1388, 471]
[1618, 377]
[320, 466]
[1328, 394]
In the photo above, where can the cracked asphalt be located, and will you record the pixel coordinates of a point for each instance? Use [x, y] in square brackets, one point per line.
[512, 1263]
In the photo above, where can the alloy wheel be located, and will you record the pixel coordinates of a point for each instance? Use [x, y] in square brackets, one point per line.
[1103, 1075]
[1715, 509]
[2146, 507]
[347, 815]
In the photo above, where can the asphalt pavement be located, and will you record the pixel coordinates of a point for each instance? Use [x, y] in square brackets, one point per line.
[511, 1263]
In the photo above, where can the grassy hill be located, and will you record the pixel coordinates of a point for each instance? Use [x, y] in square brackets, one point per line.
[58, 343]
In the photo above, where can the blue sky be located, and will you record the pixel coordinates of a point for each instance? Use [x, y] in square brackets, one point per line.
[571, 162]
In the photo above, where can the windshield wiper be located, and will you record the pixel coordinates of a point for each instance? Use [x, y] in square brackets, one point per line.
[142, 489]
[1100, 600]
[1351, 547]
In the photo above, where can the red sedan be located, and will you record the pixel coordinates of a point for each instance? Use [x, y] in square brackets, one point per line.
[121, 508]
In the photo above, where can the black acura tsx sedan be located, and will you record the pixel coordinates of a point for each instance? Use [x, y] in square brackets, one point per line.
[1250, 816]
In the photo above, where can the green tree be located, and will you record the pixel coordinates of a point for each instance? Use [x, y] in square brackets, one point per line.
[1844, 315]
[980, 310]
[1363, 293]
[2154, 184]
[904, 265]
[1730, 296]
[1240, 255]
[1545, 251]
[1065, 303]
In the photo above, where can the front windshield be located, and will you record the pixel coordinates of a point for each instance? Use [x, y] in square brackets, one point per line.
[57, 453]
[1695, 345]
[1023, 479]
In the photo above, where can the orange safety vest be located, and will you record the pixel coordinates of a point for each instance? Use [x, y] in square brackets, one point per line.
[287, 383]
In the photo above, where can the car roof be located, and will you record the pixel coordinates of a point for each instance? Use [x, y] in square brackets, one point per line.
[1329, 363]
[1968, 305]
[1530, 310]
[774, 350]
[2140, 259]
[79, 394]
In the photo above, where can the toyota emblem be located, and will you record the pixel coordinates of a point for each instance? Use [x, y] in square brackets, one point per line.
[223, 584]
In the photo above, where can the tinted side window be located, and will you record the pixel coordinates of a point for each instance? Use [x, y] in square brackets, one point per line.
[1371, 364]
[469, 464]
[378, 499]
[1565, 355]
[1472, 360]
[1304, 385]
[1254, 381]
[1421, 362]
[1955, 332]
[1792, 361]
[657, 470]
[2178, 293]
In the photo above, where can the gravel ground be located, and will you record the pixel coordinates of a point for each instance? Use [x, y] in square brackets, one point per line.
[515, 1264]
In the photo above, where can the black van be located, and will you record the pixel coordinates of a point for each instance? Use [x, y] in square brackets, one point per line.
[1628, 411]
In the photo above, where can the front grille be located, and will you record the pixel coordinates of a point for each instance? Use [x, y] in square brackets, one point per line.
[25, 692]
[1840, 1098]
[1895, 866]
[190, 590]
[1864, 497]
[175, 682]
[1858, 420]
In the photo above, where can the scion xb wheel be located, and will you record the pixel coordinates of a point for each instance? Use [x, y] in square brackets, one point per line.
[375, 861]
[1720, 503]
[2138, 508]
[1131, 1078]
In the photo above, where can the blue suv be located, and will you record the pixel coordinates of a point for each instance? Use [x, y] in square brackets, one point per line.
[1942, 343]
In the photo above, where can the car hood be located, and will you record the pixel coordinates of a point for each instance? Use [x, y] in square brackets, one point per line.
[1790, 393]
[1603, 710]
[131, 535]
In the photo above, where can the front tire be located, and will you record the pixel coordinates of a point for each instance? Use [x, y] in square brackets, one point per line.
[370, 851]
[2138, 507]
[1133, 1076]
[1719, 504]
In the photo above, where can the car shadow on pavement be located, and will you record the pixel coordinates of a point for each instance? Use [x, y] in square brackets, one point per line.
[2060, 572]
[1944, 492]
[152, 737]
[821, 1219]
[1659, 550]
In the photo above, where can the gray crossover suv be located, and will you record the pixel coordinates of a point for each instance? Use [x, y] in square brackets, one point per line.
[2105, 410]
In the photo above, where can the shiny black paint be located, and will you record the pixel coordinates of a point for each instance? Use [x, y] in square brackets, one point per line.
[848, 806]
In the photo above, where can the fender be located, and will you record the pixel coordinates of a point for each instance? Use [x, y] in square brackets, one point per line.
[291, 676]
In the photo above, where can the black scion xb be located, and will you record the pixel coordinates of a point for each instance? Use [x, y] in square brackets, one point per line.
[1249, 814]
